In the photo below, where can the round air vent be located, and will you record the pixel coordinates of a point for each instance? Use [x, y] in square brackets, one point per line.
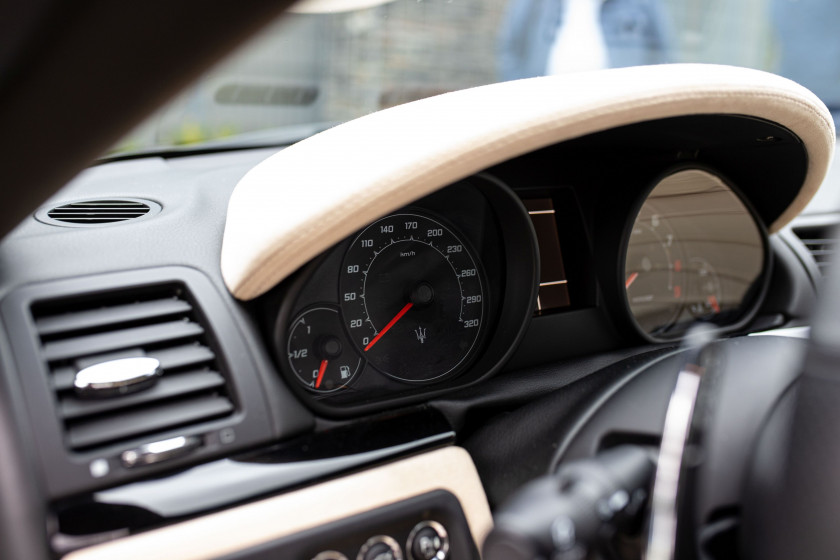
[97, 212]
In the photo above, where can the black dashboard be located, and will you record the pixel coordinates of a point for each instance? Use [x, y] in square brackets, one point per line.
[512, 283]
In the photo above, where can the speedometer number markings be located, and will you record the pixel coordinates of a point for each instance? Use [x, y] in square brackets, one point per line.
[412, 297]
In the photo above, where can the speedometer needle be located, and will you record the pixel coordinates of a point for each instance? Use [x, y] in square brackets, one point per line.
[321, 371]
[390, 324]
[630, 280]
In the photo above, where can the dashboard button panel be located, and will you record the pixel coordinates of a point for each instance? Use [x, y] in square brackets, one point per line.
[430, 526]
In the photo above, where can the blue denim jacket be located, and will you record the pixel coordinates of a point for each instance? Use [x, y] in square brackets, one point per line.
[809, 45]
[635, 33]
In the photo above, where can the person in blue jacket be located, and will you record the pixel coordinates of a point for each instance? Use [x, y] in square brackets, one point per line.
[542, 37]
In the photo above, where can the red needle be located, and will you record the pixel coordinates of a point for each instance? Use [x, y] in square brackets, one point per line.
[390, 324]
[714, 303]
[631, 279]
[321, 371]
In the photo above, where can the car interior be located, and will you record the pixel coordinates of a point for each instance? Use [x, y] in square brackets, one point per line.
[581, 316]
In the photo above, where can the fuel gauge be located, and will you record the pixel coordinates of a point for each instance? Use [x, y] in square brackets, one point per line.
[320, 355]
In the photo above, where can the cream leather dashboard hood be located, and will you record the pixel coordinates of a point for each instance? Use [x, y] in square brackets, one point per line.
[302, 200]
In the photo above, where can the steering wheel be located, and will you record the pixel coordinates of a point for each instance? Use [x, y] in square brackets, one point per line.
[792, 496]
[756, 468]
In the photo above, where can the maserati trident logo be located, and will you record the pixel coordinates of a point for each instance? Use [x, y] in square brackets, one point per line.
[421, 334]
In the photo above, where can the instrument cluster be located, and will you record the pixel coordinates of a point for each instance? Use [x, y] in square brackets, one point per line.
[694, 253]
[437, 295]
[412, 304]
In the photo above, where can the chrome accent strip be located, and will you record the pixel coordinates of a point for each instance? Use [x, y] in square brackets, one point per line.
[791, 332]
[442, 553]
[159, 451]
[663, 530]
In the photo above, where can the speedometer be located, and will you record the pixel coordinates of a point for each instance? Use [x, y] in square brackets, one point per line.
[412, 297]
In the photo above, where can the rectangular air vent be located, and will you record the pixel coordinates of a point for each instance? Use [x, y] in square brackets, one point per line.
[159, 323]
[820, 242]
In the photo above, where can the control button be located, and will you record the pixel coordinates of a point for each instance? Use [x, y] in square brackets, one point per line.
[159, 451]
[99, 468]
[380, 547]
[563, 533]
[428, 541]
[329, 555]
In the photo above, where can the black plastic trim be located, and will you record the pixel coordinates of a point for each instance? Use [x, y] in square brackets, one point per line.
[68, 472]
[301, 461]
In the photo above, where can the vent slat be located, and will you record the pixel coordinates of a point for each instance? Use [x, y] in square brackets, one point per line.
[63, 379]
[100, 212]
[106, 316]
[103, 203]
[125, 338]
[146, 420]
[129, 205]
[177, 357]
[93, 221]
[820, 242]
[175, 385]
[112, 216]
[97, 210]
[182, 356]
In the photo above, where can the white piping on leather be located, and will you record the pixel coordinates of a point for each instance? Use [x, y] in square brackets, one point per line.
[302, 200]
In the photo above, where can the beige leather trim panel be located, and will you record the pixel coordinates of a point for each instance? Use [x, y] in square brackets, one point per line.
[304, 199]
[253, 524]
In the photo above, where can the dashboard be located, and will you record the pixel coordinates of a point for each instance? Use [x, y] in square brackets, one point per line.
[383, 382]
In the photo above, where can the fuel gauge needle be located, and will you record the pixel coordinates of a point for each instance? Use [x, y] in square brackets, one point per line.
[390, 324]
[630, 280]
[321, 371]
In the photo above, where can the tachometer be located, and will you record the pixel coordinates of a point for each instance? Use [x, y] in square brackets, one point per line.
[412, 297]
[653, 269]
[695, 252]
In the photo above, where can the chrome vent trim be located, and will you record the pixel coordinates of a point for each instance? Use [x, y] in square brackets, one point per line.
[97, 212]
[160, 323]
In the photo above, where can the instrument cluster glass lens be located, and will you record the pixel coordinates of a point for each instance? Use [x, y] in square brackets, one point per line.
[412, 297]
[411, 305]
[694, 253]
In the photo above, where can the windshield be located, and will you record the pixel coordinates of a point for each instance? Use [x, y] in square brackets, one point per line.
[320, 66]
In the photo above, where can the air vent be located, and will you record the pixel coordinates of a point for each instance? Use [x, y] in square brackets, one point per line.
[160, 323]
[90, 213]
[820, 242]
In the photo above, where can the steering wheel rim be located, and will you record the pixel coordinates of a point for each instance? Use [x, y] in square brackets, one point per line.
[790, 501]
